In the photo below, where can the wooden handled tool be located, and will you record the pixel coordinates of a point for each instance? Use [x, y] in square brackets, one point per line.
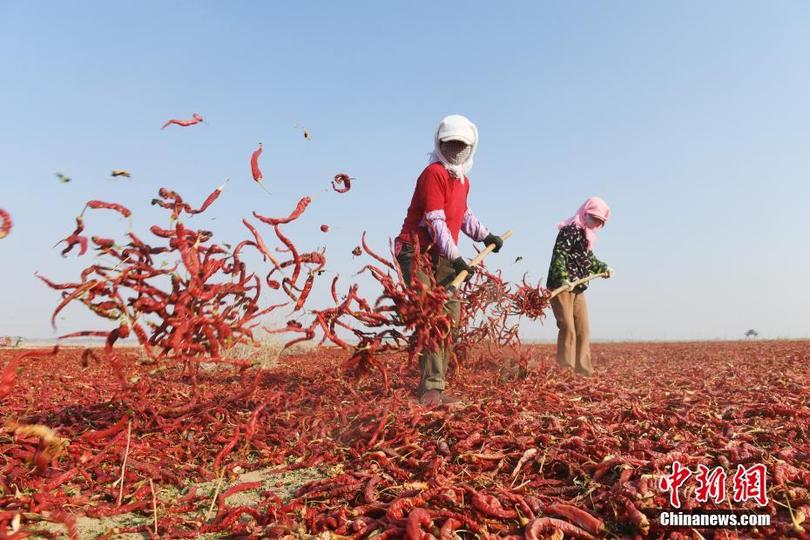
[476, 261]
[586, 279]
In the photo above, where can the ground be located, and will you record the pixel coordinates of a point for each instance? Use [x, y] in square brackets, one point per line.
[305, 448]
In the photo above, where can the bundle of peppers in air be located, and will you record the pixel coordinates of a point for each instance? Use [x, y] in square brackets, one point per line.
[200, 300]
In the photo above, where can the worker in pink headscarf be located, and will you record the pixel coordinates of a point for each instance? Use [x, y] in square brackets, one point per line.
[571, 260]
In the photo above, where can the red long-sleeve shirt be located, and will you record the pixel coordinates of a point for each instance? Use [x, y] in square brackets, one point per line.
[438, 212]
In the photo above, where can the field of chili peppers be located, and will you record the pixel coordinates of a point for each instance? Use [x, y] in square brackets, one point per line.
[302, 449]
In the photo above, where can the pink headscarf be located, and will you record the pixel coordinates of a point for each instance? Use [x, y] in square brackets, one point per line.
[595, 206]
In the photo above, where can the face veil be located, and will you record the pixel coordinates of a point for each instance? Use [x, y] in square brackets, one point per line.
[455, 128]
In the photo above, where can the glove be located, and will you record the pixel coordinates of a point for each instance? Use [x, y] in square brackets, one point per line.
[610, 272]
[459, 264]
[492, 239]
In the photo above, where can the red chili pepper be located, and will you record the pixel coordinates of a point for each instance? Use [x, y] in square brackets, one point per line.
[260, 245]
[635, 516]
[69, 521]
[490, 506]
[296, 213]
[237, 488]
[103, 243]
[75, 238]
[578, 516]
[5, 223]
[226, 450]
[343, 179]
[254, 164]
[537, 527]
[324, 228]
[305, 293]
[258, 177]
[124, 211]
[399, 507]
[369, 493]
[187, 253]
[92, 436]
[209, 200]
[195, 119]
[250, 430]
[122, 332]
[374, 255]
[447, 532]
[296, 259]
[87, 354]
[418, 520]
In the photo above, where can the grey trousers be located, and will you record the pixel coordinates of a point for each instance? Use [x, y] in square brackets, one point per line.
[432, 363]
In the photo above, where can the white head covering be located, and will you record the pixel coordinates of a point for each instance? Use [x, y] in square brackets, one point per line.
[455, 128]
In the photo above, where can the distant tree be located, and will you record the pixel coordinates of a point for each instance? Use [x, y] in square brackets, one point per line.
[751, 333]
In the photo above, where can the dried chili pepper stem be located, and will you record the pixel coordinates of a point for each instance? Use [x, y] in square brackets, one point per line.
[154, 504]
[124, 464]
[216, 494]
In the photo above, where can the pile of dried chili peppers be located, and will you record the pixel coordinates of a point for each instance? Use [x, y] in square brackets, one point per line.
[308, 452]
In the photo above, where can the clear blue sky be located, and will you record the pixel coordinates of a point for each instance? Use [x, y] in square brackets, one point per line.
[690, 118]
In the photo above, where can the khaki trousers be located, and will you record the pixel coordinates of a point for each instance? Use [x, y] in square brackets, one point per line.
[433, 363]
[573, 340]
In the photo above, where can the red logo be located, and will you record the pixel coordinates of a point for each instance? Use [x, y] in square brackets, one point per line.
[747, 484]
[672, 482]
[750, 484]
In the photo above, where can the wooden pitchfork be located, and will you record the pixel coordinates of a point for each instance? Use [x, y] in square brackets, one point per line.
[487, 250]
[475, 262]
[586, 279]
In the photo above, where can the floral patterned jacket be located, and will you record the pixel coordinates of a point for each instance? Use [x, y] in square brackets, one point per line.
[571, 259]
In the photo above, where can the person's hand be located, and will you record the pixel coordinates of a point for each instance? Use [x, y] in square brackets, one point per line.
[610, 272]
[493, 239]
[568, 285]
[459, 265]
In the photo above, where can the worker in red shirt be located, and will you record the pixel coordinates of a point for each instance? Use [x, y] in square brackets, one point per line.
[438, 212]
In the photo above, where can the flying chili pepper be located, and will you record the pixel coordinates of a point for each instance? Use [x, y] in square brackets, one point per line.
[195, 119]
[75, 238]
[357, 251]
[5, 223]
[254, 167]
[296, 213]
[120, 172]
[345, 180]
[209, 200]
[62, 178]
[305, 293]
[324, 228]
[98, 205]
[518, 259]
